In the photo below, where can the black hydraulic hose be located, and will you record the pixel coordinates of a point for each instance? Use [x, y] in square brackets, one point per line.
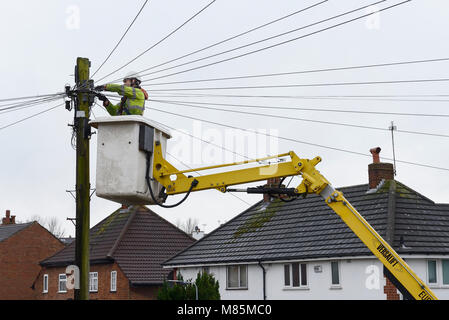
[280, 198]
[147, 178]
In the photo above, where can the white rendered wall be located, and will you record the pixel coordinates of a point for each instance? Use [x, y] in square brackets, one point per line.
[360, 279]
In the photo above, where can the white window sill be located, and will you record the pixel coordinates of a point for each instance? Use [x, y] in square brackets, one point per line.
[242, 288]
[44, 291]
[335, 287]
[62, 291]
[295, 288]
[438, 286]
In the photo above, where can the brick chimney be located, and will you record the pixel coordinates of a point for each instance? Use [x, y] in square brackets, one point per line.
[271, 183]
[379, 170]
[9, 219]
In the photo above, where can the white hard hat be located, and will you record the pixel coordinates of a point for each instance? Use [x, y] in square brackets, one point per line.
[133, 74]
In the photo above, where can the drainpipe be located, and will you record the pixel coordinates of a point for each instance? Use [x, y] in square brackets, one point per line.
[264, 272]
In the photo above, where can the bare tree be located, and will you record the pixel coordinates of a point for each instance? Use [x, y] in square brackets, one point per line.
[52, 224]
[55, 228]
[188, 226]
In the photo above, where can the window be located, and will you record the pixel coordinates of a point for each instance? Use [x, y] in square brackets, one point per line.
[295, 275]
[287, 275]
[335, 273]
[93, 281]
[237, 277]
[62, 283]
[45, 284]
[113, 281]
[432, 271]
[445, 266]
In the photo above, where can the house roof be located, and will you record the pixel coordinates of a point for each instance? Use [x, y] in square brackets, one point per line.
[308, 228]
[7, 230]
[136, 238]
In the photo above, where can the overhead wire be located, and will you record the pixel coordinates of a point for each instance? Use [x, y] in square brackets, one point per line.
[126, 31]
[304, 85]
[32, 116]
[190, 168]
[235, 36]
[305, 97]
[390, 64]
[27, 104]
[303, 119]
[308, 109]
[289, 40]
[159, 42]
[294, 140]
[260, 41]
[32, 97]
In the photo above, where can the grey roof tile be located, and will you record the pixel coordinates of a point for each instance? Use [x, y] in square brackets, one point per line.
[7, 230]
[307, 228]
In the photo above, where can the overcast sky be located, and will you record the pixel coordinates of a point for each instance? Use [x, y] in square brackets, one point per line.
[42, 39]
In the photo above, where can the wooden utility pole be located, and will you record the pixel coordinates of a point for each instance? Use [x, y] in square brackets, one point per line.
[82, 105]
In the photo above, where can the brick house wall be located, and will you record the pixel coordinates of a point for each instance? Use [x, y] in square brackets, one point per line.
[143, 293]
[124, 290]
[20, 255]
[390, 290]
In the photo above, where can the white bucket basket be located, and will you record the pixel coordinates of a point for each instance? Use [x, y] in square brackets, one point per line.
[121, 160]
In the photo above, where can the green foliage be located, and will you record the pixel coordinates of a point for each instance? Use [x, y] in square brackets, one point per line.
[208, 289]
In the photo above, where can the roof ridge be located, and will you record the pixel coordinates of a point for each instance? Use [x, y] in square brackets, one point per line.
[391, 213]
[122, 233]
[414, 191]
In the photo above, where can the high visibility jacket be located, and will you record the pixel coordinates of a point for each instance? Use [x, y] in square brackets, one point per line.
[133, 101]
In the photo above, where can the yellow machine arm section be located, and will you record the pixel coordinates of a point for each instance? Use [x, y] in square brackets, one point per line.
[313, 182]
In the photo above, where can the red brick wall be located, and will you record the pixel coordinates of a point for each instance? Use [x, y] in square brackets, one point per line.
[390, 290]
[143, 293]
[124, 292]
[20, 255]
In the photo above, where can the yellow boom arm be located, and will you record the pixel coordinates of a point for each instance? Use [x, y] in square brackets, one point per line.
[313, 182]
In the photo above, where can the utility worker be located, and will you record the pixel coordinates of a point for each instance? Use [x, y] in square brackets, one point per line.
[133, 96]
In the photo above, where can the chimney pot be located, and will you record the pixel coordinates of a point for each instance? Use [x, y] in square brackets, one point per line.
[375, 152]
[379, 170]
[8, 219]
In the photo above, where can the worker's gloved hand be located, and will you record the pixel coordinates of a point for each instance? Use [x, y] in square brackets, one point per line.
[100, 88]
[101, 97]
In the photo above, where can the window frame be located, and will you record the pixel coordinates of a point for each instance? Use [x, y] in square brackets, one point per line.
[335, 285]
[239, 266]
[45, 283]
[436, 283]
[91, 279]
[444, 285]
[62, 281]
[113, 287]
[300, 276]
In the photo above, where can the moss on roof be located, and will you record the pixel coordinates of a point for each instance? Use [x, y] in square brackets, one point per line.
[263, 214]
